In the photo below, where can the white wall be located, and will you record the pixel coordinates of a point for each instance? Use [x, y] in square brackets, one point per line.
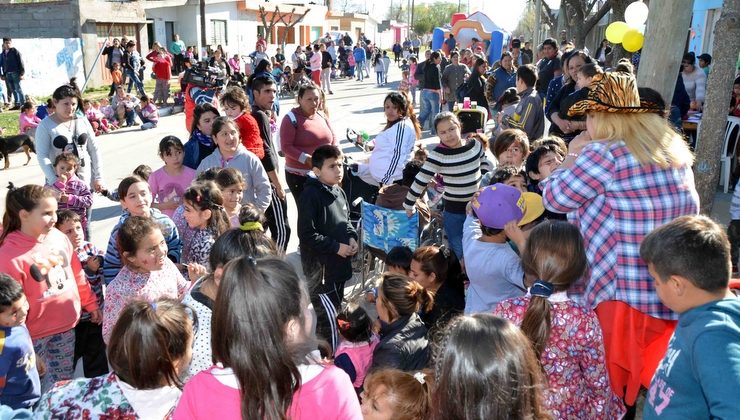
[49, 63]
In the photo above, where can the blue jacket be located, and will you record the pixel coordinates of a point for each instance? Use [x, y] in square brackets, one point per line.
[504, 80]
[359, 54]
[21, 387]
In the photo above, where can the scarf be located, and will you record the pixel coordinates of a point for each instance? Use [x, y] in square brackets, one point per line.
[202, 138]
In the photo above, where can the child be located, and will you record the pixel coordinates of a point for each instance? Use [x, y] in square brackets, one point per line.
[142, 171]
[511, 176]
[247, 239]
[19, 378]
[511, 148]
[231, 183]
[108, 112]
[405, 84]
[136, 200]
[505, 107]
[116, 78]
[275, 355]
[461, 164]
[27, 120]
[438, 271]
[230, 153]
[96, 118]
[355, 352]
[168, 183]
[700, 373]
[147, 272]
[41, 259]
[398, 260]
[89, 343]
[386, 66]
[379, 69]
[148, 114]
[404, 65]
[541, 163]
[162, 69]
[413, 82]
[494, 269]
[326, 237]
[43, 111]
[72, 193]
[578, 382]
[529, 115]
[204, 213]
[236, 106]
[392, 393]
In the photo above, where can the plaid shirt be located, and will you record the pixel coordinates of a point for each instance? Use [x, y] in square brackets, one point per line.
[86, 251]
[79, 197]
[616, 202]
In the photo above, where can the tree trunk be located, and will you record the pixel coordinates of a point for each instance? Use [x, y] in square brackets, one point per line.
[618, 8]
[203, 26]
[719, 86]
[660, 60]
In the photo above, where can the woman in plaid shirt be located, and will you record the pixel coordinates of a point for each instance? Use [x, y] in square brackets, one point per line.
[634, 177]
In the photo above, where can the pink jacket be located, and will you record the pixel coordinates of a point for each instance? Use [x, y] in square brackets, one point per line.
[361, 355]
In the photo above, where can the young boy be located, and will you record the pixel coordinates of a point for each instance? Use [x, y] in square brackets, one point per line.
[148, 114]
[89, 343]
[19, 379]
[511, 176]
[236, 106]
[72, 192]
[327, 238]
[494, 269]
[116, 76]
[541, 163]
[529, 115]
[699, 376]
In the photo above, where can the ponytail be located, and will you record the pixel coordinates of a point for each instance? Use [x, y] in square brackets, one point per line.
[536, 322]
[206, 196]
[402, 296]
[423, 297]
[25, 198]
[441, 261]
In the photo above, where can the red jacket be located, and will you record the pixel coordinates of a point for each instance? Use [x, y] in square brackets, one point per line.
[250, 134]
[162, 66]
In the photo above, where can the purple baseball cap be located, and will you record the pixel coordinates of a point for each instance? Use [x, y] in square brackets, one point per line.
[498, 205]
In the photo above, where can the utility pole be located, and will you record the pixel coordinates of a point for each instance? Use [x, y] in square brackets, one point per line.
[411, 28]
[537, 23]
[202, 27]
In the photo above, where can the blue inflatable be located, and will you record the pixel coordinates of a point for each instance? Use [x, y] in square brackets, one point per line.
[438, 38]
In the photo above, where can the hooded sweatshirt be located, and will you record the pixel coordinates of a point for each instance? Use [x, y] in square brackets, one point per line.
[699, 375]
[54, 300]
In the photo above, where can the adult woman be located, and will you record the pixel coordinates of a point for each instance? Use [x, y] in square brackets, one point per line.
[633, 178]
[430, 95]
[219, 61]
[201, 142]
[563, 125]
[486, 369]
[438, 271]
[403, 336]
[298, 58]
[499, 80]
[694, 80]
[303, 129]
[476, 84]
[66, 132]
[452, 77]
[148, 351]
[603, 54]
[113, 54]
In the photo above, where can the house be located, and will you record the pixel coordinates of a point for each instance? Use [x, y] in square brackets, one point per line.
[705, 16]
[356, 24]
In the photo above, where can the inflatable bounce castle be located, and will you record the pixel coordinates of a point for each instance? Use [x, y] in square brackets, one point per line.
[478, 26]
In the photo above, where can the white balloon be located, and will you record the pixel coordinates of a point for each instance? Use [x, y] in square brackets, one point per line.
[636, 14]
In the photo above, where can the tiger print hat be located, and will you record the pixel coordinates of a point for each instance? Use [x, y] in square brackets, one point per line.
[612, 92]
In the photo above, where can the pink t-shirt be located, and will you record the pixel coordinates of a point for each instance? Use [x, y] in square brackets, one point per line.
[168, 188]
[26, 123]
[326, 395]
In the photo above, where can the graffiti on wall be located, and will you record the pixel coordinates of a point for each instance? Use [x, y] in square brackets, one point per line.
[49, 63]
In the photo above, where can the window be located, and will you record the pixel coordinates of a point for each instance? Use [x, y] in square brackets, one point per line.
[218, 32]
[281, 32]
[117, 31]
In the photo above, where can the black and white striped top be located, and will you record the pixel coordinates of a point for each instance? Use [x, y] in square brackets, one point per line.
[461, 169]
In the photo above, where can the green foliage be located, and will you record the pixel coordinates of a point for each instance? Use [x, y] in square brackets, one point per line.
[428, 17]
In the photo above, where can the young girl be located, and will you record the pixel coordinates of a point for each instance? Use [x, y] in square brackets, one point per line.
[147, 273]
[564, 334]
[438, 271]
[266, 369]
[403, 336]
[511, 148]
[461, 164]
[169, 182]
[148, 352]
[42, 260]
[149, 114]
[248, 239]
[96, 118]
[230, 153]
[503, 381]
[413, 83]
[72, 193]
[201, 142]
[231, 183]
[28, 121]
[379, 69]
[506, 106]
[135, 199]
[355, 352]
[395, 394]
[405, 84]
[204, 213]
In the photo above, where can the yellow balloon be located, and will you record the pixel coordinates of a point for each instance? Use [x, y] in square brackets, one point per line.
[615, 31]
[632, 40]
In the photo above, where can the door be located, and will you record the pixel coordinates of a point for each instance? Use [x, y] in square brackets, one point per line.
[150, 32]
[169, 31]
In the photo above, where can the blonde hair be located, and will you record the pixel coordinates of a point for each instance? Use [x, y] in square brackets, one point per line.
[648, 137]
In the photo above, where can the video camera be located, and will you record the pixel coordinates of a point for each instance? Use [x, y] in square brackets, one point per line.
[202, 75]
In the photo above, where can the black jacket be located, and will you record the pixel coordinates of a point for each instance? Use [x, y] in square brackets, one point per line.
[432, 76]
[323, 224]
[449, 301]
[403, 345]
[11, 62]
[263, 122]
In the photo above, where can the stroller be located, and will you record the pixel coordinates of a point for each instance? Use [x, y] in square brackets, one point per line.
[297, 79]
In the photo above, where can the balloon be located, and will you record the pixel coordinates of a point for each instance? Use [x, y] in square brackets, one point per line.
[632, 40]
[636, 14]
[615, 31]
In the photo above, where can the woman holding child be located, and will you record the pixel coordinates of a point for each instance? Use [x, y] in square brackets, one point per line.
[633, 177]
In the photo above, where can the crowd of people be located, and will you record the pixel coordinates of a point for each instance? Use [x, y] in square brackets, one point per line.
[575, 274]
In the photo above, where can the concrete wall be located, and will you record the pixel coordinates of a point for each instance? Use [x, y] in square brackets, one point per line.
[40, 20]
[701, 27]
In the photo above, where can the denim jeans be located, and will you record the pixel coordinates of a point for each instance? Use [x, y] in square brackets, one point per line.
[134, 80]
[429, 108]
[379, 77]
[13, 82]
[453, 223]
[358, 69]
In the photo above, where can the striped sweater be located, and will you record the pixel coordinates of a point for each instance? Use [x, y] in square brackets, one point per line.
[461, 169]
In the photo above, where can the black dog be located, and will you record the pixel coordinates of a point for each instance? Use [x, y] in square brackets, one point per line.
[12, 143]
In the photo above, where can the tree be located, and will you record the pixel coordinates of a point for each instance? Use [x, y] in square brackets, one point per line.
[428, 17]
[397, 12]
[525, 27]
[580, 19]
[618, 8]
[273, 19]
[709, 150]
[290, 20]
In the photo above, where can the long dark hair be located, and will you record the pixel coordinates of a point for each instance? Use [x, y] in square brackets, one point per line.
[405, 108]
[25, 198]
[554, 254]
[442, 262]
[206, 195]
[485, 369]
[249, 333]
[199, 111]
